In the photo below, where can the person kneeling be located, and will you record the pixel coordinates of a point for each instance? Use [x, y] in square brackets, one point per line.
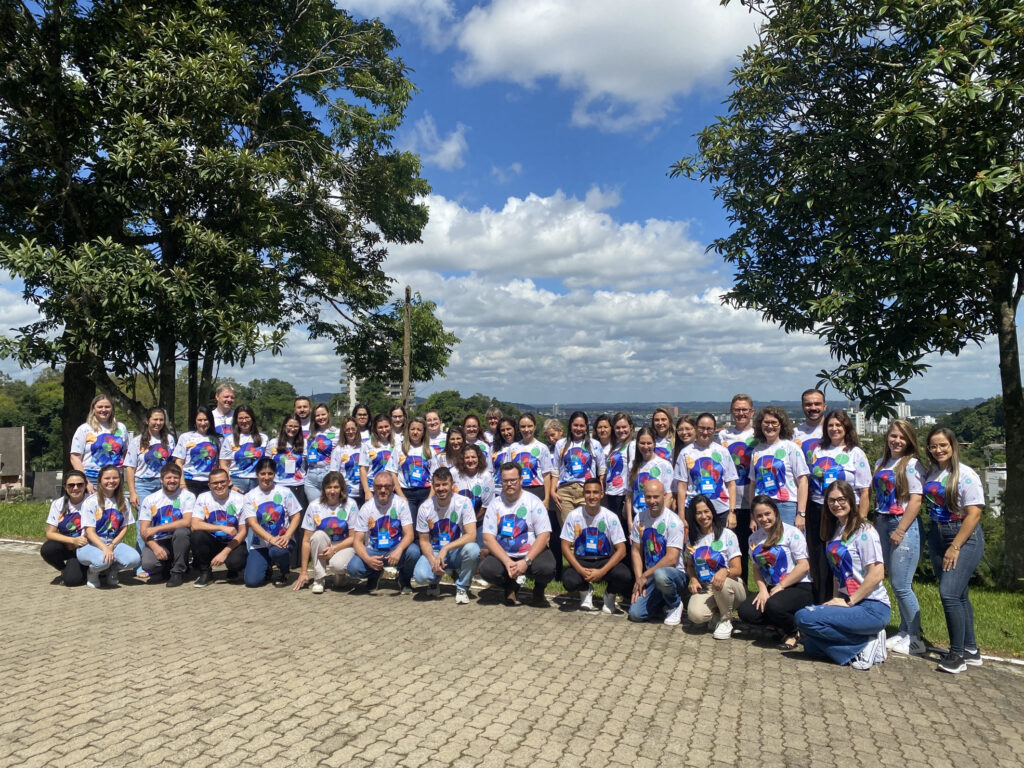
[271, 512]
[165, 521]
[714, 566]
[446, 525]
[595, 546]
[658, 538]
[326, 536]
[383, 537]
[218, 532]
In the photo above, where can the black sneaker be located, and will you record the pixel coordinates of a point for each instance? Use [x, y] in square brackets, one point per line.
[232, 575]
[175, 580]
[203, 580]
[972, 658]
[952, 663]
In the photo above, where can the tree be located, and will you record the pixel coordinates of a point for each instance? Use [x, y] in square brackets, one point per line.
[187, 181]
[373, 393]
[271, 399]
[870, 161]
[451, 406]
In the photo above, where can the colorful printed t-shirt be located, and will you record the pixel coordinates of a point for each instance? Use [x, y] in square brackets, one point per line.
[535, 459]
[837, 463]
[618, 461]
[383, 525]
[334, 521]
[447, 524]
[516, 525]
[222, 423]
[774, 469]
[711, 554]
[110, 521]
[971, 494]
[740, 443]
[160, 508]
[375, 459]
[288, 462]
[227, 512]
[655, 535]
[807, 438]
[100, 448]
[345, 459]
[578, 460]
[198, 453]
[437, 443]
[776, 561]
[707, 471]
[272, 510]
[412, 468]
[884, 483]
[243, 455]
[320, 447]
[592, 536]
[655, 468]
[849, 560]
[497, 459]
[478, 488]
[147, 464]
[663, 448]
[67, 523]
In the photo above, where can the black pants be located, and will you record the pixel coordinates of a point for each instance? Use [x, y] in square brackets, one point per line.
[779, 609]
[205, 547]
[177, 546]
[555, 543]
[619, 579]
[299, 492]
[742, 532]
[197, 486]
[64, 559]
[821, 571]
[542, 571]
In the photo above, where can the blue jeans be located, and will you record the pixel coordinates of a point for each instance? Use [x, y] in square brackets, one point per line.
[901, 565]
[663, 590]
[259, 560]
[244, 484]
[357, 569]
[462, 562]
[92, 558]
[840, 633]
[953, 584]
[143, 487]
[313, 483]
[787, 511]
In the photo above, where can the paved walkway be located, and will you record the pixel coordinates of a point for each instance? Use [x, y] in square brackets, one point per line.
[147, 676]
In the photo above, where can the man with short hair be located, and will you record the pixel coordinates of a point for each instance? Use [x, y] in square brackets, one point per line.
[739, 440]
[383, 531]
[218, 531]
[224, 412]
[435, 436]
[595, 546]
[516, 534]
[808, 434]
[659, 538]
[303, 408]
[446, 524]
[165, 518]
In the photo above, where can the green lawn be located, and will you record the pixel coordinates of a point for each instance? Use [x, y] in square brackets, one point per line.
[999, 615]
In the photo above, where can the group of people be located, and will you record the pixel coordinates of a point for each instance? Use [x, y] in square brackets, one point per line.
[666, 517]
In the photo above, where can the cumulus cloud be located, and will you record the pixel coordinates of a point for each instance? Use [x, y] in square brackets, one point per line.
[627, 62]
[433, 18]
[506, 174]
[446, 152]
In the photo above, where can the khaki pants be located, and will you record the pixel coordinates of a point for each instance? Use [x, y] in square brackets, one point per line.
[320, 541]
[571, 496]
[721, 601]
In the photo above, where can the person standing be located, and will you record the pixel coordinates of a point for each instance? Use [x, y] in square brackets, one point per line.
[808, 434]
[304, 410]
[738, 438]
[323, 438]
[777, 465]
[223, 413]
[242, 449]
[197, 452]
[705, 468]
[102, 441]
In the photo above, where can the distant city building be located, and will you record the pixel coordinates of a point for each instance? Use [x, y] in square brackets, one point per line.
[994, 480]
[674, 410]
[554, 410]
[903, 411]
[351, 384]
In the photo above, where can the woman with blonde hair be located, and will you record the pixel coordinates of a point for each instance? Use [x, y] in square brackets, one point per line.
[102, 441]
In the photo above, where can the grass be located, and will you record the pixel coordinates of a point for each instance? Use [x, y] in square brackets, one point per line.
[998, 615]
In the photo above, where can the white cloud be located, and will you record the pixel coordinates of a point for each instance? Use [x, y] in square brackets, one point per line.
[445, 152]
[433, 17]
[626, 61]
[506, 174]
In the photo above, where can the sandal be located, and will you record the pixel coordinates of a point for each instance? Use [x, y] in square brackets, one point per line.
[789, 642]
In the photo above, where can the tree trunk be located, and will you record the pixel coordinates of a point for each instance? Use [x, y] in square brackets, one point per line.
[193, 385]
[79, 391]
[1013, 407]
[206, 379]
[167, 374]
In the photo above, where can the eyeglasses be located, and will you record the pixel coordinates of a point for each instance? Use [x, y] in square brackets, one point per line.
[510, 481]
[69, 486]
[767, 423]
[383, 487]
[838, 501]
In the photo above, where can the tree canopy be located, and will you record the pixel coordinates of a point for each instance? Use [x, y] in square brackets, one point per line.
[870, 161]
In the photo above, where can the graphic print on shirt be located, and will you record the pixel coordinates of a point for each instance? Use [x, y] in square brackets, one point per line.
[377, 458]
[168, 513]
[842, 565]
[652, 473]
[107, 449]
[513, 532]
[270, 515]
[70, 524]
[652, 540]
[708, 559]
[530, 463]
[474, 494]
[202, 457]
[616, 469]
[246, 457]
[771, 562]
[740, 452]
[705, 476]
[445, 530]
[885, 492]
[288, 460]
[335, 525]
[155, 457]
[224, 430]
[770, 475]
[826, 470]
[591, 541]
[385, 531]
[662, 451]
[578, 461]
[318, 450]
[108, 525]
[227, 516]
[934, 499]
[808, 446]
[415, 472]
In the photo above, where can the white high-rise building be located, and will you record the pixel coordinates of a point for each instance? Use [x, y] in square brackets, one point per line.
[903, 411]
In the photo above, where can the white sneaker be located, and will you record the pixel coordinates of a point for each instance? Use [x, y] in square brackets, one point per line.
[905, 645]
[481, 583]
[899, 639]
[461, 597]
[609, 604]
[318, 587]
[587, 601]
[723, 631]
[405, 591]
[675, 615]
[92, 579]
[874, 653]
[434, 590]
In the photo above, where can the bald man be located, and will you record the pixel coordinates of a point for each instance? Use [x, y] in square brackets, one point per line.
[658, 537]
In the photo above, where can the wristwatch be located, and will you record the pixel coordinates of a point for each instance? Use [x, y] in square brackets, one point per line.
[528, 562]
[802, 514]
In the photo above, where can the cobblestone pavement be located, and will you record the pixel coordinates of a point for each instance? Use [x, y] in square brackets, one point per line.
[147, 676]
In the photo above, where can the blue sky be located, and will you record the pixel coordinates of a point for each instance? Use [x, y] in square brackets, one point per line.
[558, 250]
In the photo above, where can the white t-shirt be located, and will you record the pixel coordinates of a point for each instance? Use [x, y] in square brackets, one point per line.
[535, 460]
[707, 471]
[375, 459]
[775, 468]
[198, 454]
[320, 447]
[739, 443]
[100, 448]
[655, 535]
[478, 488]
[67, 523]
[516, 526]
[618, 462]
[288, 462]
[884, 482]
[222, 422]
[243, 455]
[438, 443]
[447, 524]
[578, 460]
[412, 468]
[334, 521]
[849, 560]
[227, 512]
[159, 508]
[710, 554]
[273, 510]
[970, 492]
[655, 468]
[345, 459]
[776, 561]
[305, 428]
[383, 525]
[663, 448]
[147, 464]
[837, 463]
[807, 438]
[592, 536]
[110, 521]
[497, 459]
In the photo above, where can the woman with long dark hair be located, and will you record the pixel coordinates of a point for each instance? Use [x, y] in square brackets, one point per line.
[242, 449]
[713, 565]
[65, 534]
[777, 465]
[147, 453]
[197, 451]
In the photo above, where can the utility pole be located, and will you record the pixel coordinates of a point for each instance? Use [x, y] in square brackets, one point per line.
[406, 347]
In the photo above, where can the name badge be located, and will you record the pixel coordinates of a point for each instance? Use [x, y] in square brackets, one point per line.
[831, 475]
[767, 482]
[383, 539]
[444, 537]
[577, 465]
[704, 572]
[707, 486]
[416, 472]
[508, 526]
[289, 466]
[591, 545]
